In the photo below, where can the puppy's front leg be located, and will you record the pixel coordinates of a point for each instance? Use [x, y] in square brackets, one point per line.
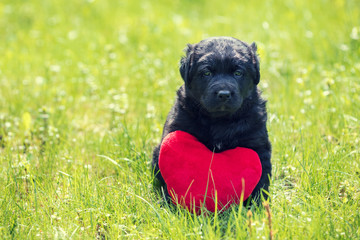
[160, 185]
[264, 182]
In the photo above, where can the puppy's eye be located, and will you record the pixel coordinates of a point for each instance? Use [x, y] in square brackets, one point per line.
[207, 74]
[238, 73]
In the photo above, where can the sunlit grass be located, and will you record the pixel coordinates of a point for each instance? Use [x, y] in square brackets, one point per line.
[85, 87]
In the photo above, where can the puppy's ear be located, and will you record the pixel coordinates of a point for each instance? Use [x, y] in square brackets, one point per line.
[255, 61]
[186, 63]
[253, 47]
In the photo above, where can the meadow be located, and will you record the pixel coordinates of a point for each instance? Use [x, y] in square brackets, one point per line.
[85, 87]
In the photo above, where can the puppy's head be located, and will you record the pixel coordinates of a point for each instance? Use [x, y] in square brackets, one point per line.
[219, 73]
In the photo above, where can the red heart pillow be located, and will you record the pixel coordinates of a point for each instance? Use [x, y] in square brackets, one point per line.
[192, 171]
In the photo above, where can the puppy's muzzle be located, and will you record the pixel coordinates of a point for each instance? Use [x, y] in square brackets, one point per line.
[223, 92]
[223, 95]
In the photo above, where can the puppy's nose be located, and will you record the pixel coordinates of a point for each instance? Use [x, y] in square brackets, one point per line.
[224, 95]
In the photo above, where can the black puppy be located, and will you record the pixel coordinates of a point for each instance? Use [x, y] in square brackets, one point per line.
[220, 104]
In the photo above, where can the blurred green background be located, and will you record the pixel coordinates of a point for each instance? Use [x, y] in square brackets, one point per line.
[85, 87]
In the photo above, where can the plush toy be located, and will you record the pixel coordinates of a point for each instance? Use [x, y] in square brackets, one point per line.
[191, 172]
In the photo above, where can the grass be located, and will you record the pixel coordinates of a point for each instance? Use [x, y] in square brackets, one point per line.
[85, 87]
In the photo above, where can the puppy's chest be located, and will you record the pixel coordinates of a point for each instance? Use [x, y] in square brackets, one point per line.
[219, 147]
[219, 136]
[221, 139]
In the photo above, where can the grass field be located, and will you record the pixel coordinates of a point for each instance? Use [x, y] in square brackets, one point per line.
[85, 87]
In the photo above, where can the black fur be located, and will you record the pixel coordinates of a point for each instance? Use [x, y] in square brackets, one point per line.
[220, 104]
